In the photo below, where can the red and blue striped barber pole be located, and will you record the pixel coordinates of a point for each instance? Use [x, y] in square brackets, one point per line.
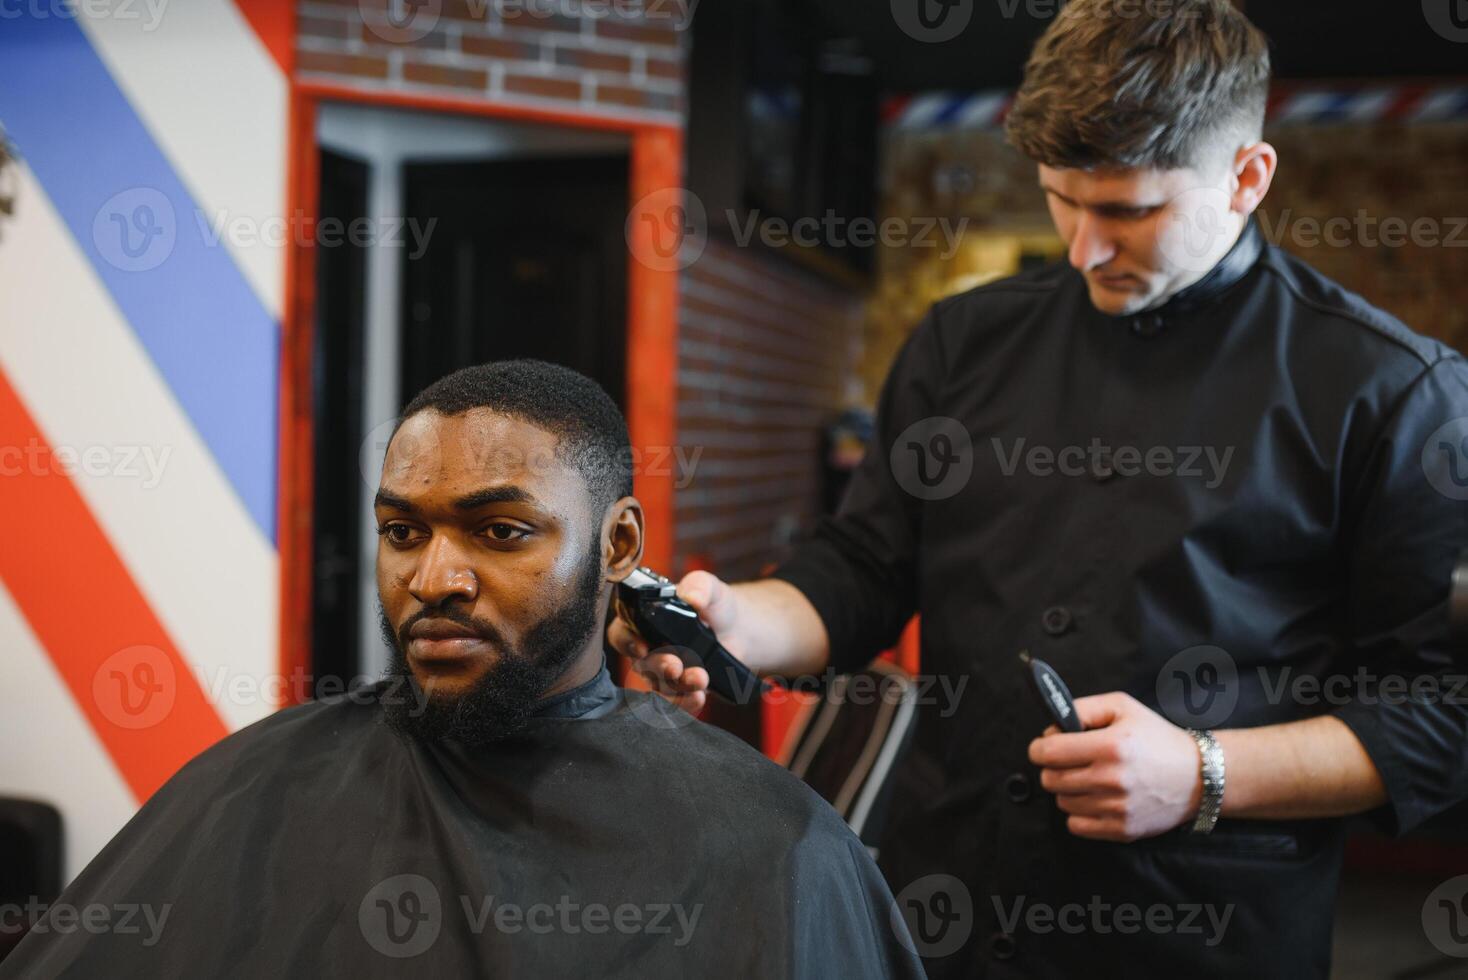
[1288, 105]
[139, 377]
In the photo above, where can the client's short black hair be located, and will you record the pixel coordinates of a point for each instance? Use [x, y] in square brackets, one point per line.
[591, 433]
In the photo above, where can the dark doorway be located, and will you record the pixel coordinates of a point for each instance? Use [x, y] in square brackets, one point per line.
[527, 258]
[337, 359]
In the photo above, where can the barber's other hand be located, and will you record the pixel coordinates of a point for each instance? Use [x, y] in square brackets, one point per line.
[717, 604]
[1131, 774]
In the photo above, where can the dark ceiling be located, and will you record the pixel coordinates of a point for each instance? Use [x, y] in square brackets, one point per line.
[1337, 39]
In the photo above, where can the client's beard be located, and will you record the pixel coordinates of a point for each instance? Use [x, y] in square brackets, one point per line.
[502, 701]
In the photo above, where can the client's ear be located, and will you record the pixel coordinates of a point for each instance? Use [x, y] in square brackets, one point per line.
[621, 538]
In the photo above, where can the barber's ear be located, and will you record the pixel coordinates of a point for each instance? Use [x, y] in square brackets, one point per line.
[622, 538]
[1254, 168]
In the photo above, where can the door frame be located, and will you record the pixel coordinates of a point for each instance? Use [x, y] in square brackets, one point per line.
[652, 338]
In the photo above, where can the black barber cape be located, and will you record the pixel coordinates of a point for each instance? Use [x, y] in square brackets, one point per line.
[1241, 508]
[615, 837]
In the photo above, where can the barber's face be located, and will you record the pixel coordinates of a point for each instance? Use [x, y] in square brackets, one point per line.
[491, 563]
[1140, 236]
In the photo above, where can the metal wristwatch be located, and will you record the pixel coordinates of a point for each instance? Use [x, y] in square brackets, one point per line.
[1212, 754]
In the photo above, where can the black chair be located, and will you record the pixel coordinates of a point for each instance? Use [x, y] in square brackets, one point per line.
[848, 745]
[30, 860]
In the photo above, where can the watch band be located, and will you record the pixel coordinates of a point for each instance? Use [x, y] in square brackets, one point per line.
[1212, 756]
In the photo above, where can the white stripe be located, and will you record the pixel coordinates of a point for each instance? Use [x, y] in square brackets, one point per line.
[215, 101]
[52, 754]
[1304, 105]
[923, 109]
[197, 557]
[1370, 105]
[982, 111]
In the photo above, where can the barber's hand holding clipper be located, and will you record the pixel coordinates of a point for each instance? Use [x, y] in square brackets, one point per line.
[767, 625]
[1120, 770]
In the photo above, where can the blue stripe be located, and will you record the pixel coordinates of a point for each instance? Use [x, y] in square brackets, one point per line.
[951, 111]
[190, 306]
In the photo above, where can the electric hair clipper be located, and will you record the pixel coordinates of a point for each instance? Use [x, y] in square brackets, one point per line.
[1052, 692]
[650, 603]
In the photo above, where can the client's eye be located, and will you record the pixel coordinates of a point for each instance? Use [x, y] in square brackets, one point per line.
[506, 532]
[398, 534]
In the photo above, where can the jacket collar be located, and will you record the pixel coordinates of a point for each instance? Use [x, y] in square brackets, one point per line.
[1235, 264]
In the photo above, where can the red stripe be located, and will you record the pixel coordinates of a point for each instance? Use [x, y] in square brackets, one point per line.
[124, 671]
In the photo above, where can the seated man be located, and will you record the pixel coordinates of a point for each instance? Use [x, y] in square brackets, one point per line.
[469, 815]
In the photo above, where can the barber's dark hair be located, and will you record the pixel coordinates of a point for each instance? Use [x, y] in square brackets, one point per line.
[591, 433]
[1142, 83]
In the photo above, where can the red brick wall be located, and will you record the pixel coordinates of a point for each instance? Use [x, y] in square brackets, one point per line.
[764, 349]
[626, 61]
[765, 352]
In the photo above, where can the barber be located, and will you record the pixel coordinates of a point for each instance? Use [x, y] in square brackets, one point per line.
[1220, 494]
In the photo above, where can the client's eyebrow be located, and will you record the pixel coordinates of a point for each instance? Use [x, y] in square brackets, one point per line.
[471, 501]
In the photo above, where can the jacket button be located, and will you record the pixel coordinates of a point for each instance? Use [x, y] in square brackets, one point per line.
[1017, 787]
[1002, 945]
[1056, 620]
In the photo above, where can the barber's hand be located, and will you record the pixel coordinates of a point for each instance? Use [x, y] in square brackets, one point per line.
[1131, 774]
[717, 604]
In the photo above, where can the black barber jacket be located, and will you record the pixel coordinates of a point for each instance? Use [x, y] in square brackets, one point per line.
[1242, 508]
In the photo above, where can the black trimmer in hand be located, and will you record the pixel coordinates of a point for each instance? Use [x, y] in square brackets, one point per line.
[1052, 692]
[650, 603]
